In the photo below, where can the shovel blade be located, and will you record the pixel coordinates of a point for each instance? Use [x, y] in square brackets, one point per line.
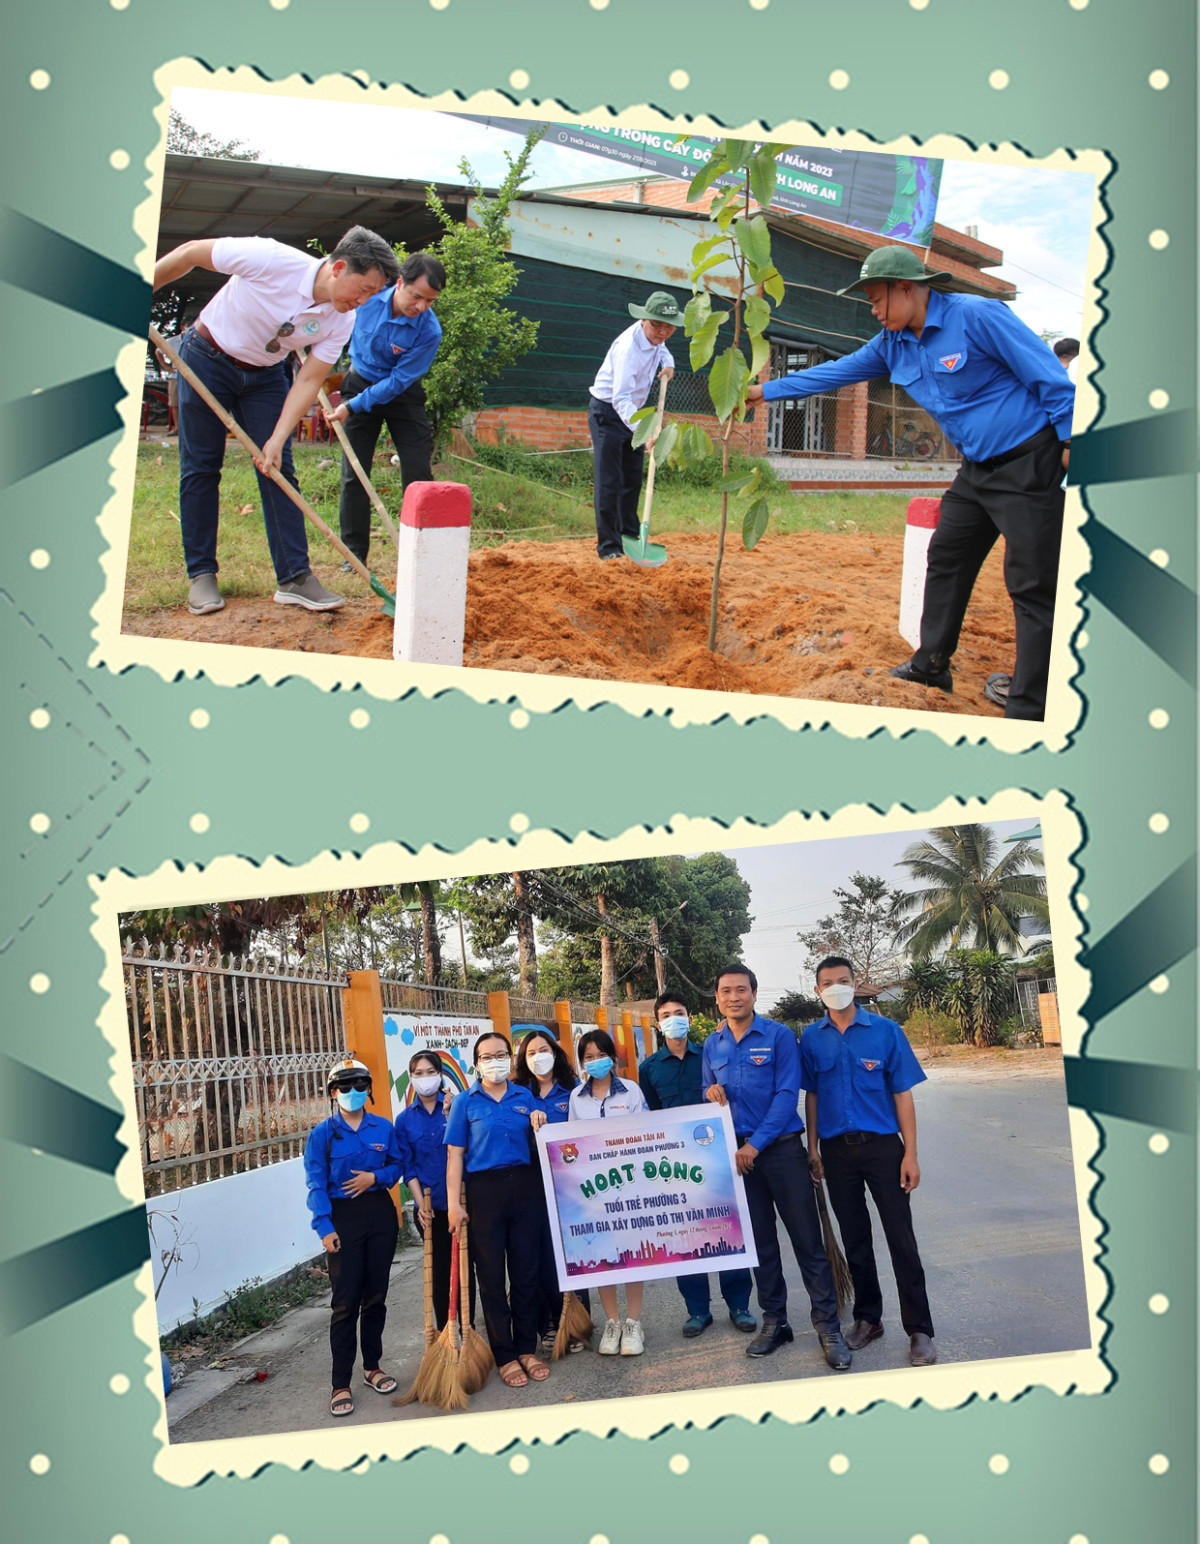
[386, 596]
[646, 554]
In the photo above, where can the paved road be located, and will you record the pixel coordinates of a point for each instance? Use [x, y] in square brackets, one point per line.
[995, 1216]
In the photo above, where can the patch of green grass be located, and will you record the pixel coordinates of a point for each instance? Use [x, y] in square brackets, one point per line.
[539, 504]
[253, 1306]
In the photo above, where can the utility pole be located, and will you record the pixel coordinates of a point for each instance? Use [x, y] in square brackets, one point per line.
[660, 970]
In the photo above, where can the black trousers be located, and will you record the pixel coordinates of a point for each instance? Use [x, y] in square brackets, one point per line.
[412, 435]
[506, 1224]
[779, 1183]
[617, 476]
[1021, 500]
[851, 1169]
[443, 1244]
[359, 1273]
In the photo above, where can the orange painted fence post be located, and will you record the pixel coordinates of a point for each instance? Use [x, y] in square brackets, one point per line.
[362, 1006]
[566, 1037]
[500, 1014]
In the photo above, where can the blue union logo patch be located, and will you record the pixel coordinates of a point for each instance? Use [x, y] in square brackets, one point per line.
[950, 361]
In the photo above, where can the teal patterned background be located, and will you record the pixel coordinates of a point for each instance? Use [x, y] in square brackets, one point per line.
[119, 769]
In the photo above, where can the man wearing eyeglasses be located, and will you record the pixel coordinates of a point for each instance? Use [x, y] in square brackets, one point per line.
[277, 299]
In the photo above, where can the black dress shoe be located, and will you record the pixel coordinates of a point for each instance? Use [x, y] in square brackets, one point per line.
[921, 1351]
[862, 1332]
[837, 1352]
[942, 679]
[774, 1333]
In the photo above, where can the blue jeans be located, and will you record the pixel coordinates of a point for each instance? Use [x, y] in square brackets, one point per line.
[735, 1289]
[255, 399]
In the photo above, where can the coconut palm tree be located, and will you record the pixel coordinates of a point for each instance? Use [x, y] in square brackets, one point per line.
[976, 892]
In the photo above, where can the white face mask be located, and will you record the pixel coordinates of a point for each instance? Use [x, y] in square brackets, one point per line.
[495, 1068]
[541, 1063]
[427, 1083]
[838, 995]
[675, 1026]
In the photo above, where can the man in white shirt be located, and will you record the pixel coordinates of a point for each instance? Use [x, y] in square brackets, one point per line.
[621, 387]
[277, 299]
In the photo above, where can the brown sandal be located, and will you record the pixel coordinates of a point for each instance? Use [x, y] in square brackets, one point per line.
[514, 1375]
[535, 1367]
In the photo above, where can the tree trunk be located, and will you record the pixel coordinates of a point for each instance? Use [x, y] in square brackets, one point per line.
[608, 969]
[527, 969]
[431, 944]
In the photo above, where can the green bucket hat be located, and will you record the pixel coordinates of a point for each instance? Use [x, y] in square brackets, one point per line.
[661, 307]
[886, 264]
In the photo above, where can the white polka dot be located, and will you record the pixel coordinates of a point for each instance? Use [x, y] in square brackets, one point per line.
[759, 5]
[1079, 5]
[1082, 639]
[599, 5]
[1159, 1303]
[598, 1538]
[280, 5]
[519, 79]
[758, 1538]
[119, 1383]
[998, 80]
[839, 79]
[39, 1463]
[119, 5]
[680, 80]
[1159, 80]
[39, 719]
[199, 822]
[1158, 399]
[119, 160]
[39, 558]
[839, 1463]
[360, 718]
[1160, 556]
[919, 5]
[1159, 1143]
[360, 823]
[439, 1538]
[1160, 984]
[519, 1464]
[199, 718]
[1159, 718]
[39, 824]
[39, 982]
[519, 719]
[998, 1464]
[1078, 1538]
[40, 79]
[519, 823]
[119, 1538]
[279, 1538]
[439, 5]
[1159, 822]
[1159, 1464]
[919, 1538]
[679, 1463]
[1082, 901]
[1158, 239]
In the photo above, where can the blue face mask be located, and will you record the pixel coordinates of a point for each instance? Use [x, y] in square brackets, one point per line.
[675, 1027]
[598, 1069]
[353, 1099]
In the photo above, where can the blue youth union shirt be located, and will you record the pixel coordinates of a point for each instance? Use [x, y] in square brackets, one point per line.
[555, 1105]
[761, 1078]
[496, 1133]
[856, 1074]
[422, 1149]
[332, 1153]
[986, 377]
[390, 351]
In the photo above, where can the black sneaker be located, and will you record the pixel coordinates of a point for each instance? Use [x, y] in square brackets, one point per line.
[941, 679]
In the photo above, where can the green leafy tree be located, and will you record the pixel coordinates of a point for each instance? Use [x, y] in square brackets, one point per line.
[863, 928]
[497, 908]
[976, 891]
[795, 1010]
[184, 139]
[973, 988]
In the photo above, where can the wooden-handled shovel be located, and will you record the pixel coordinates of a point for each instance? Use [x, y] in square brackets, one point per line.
[360, 473]
[649, 554]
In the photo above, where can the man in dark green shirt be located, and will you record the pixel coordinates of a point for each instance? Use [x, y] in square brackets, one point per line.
[670, 1077]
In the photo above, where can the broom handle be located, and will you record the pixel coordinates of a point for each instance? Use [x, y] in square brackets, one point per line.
[452, 1305]
[430, 1330]
[348, 452]
[464, 1275]
[239, 434]
[662, 403]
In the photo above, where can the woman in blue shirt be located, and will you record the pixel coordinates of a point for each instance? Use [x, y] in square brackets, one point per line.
[489, 1138]
[351, 1161]
[420, 1133]
[543, 1068]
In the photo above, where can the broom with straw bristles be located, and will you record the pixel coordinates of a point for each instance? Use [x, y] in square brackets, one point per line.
[843, 1282]
[574, 1324]
[437, 1381]
[477, 1362]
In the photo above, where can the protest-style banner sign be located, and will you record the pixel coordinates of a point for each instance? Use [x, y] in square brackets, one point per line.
[645, 1196]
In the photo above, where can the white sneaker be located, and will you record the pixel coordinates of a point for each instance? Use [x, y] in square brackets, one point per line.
[610, 1341]
[633, 1342]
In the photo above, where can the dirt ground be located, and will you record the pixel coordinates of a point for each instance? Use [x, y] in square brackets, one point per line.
[808, 615]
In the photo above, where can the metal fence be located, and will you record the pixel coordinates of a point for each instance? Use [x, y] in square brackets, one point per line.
[230, 1058]
[899, 430]
[412, 997]
[1028, 993]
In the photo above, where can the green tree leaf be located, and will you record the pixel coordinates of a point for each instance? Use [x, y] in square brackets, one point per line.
[727, 381]
[772, 281]
[763, 172]
[725, 206]
[755, 240]
[696, 312]
[737, 152]
[704, 341]
[644, 426]
[702, 248]
[754, 524]
[666, 443]
[697, 445]
[716, 166]
[760, 352]
[712, 262]
[756, 315]
[736, 481]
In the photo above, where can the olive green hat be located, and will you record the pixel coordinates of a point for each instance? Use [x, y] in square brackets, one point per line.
[661, 307]
[887, 264]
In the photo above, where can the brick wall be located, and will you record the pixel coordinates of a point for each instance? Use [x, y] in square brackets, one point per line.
[548, 429]
[850, 426]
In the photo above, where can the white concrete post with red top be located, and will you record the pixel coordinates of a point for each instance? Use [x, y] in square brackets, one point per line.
[922, 521]
[431, 574]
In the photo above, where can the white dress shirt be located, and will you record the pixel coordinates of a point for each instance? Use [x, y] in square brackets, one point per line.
[627, 374]
[622, 1099]
[271, 284]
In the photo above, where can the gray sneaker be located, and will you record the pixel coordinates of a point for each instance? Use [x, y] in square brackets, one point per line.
[203, 596]
[310, 593]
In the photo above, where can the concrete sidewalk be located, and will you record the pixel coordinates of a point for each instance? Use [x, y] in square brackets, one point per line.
[995, 1216]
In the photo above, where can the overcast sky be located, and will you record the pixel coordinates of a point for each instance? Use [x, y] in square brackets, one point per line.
[1039, 219]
